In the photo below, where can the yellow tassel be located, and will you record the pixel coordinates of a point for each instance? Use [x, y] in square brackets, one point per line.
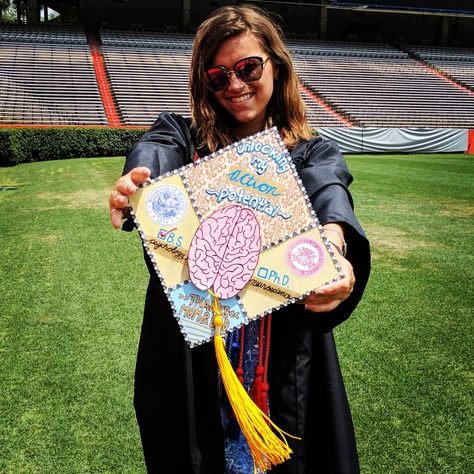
[266, 447]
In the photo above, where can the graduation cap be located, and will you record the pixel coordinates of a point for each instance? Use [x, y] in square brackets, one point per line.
[232, 238]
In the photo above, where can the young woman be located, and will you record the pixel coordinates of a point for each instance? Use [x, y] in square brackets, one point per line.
[242, 81]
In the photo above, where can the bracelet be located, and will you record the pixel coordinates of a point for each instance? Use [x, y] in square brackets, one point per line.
[339, 251]
[336, 232]
[343, 252]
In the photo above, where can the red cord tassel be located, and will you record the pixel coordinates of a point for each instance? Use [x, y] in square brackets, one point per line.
[259, 390]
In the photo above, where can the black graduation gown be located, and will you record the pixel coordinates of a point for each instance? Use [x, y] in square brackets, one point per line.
[176, 388]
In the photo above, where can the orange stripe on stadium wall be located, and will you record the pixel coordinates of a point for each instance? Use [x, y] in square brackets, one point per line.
[325, 106]
[101, 76]
[470, 142]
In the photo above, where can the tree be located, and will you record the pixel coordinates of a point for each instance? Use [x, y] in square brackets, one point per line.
[13, 10]
[8, 12]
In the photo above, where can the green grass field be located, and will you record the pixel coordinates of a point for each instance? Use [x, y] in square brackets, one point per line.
[72, 291]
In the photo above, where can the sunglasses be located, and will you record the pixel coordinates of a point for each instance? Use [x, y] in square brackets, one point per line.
[247, 70]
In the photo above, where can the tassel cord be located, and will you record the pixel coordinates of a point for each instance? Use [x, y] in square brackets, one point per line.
[267, 347]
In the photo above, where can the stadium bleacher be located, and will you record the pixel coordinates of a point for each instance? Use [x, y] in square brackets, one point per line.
[147, 80]
[340, 48]
[146, 39]
[457, 63]
[158, 63]
[42, 33]
[318, 115]
[379, 86]
[47, 77]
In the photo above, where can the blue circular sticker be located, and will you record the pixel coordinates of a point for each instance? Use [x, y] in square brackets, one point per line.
[166, 204]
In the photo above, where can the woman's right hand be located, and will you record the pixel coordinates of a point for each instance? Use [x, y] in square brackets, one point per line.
[125, 186]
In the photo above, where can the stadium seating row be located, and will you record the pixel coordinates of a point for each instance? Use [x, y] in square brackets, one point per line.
[42, 34]
[146, 40]
[444, 53]
[338, 48]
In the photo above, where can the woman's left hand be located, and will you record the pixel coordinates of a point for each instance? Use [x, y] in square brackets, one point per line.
[332, 295]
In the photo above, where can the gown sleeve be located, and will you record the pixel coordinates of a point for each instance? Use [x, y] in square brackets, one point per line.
[326, 178]
[165, 147]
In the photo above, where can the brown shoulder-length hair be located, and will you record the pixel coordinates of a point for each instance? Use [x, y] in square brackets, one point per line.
[286, 108]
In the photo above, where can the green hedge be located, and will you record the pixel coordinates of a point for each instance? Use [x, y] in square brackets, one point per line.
[22, 145]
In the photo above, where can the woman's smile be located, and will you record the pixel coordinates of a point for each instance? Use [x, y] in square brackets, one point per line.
[240, 98]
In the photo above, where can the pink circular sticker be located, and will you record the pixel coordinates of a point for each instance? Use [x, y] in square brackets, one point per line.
[305, 256]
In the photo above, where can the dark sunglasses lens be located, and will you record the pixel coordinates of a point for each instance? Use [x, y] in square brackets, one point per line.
[249, 70]
[217, 78]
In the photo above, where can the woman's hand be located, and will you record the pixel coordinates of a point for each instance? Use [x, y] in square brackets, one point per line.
[332, 295]
[124, 187]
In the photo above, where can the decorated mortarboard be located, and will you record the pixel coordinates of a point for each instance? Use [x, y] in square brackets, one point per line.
[232, 238]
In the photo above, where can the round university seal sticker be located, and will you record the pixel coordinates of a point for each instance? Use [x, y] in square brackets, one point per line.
[166, 205]
[305, 256]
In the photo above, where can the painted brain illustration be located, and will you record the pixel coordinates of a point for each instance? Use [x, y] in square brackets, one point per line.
[224, 251]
